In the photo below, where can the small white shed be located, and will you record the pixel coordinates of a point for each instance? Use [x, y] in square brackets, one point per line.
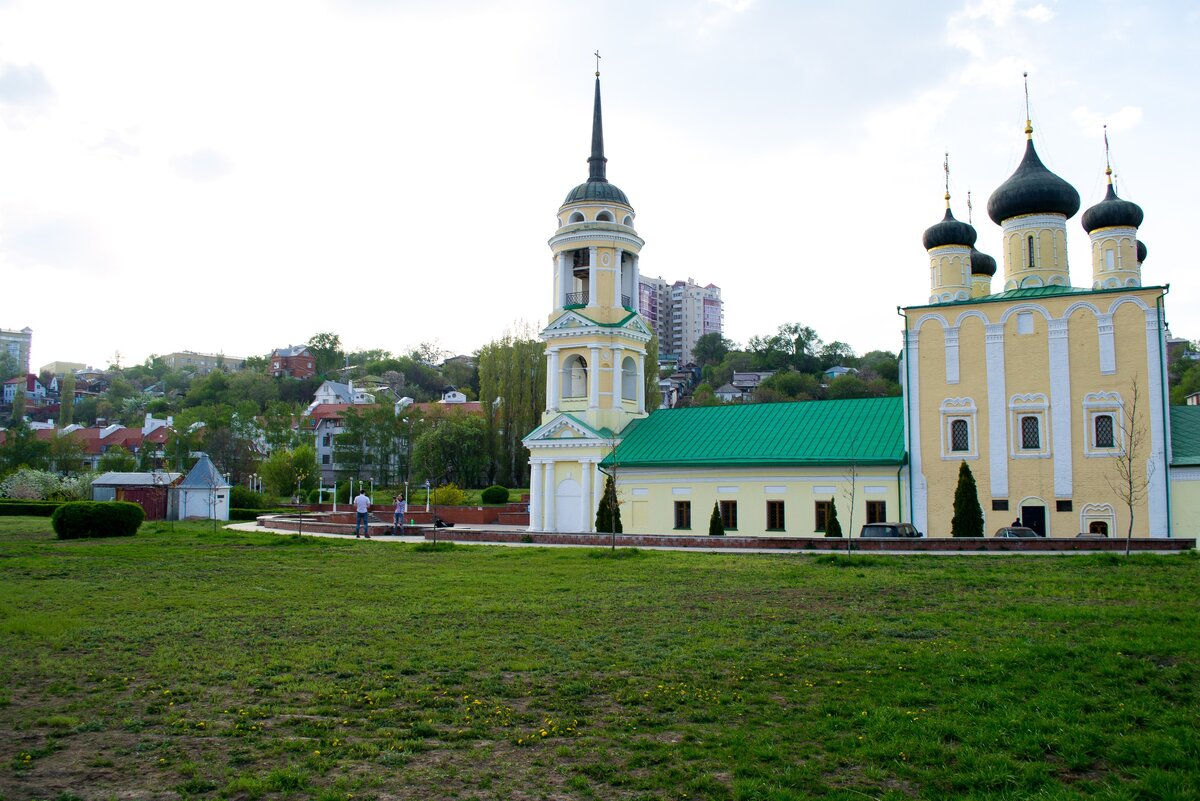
[204, 493]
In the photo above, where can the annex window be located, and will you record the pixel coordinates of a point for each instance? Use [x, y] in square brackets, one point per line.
[821, 509]
[1031, 433]
[1103, 426]
[960, 439]
[683, 514]
[775, 521]
[999, 504]
[729, 515]
[876, 511]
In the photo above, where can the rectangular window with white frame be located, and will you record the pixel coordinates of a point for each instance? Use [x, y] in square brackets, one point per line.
[1104, 424]
[959, 440]
[1029, 434]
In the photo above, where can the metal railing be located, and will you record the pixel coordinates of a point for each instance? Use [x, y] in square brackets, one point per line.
[577, 298]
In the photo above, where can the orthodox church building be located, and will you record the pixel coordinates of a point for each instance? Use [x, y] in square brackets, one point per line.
[1039, 386]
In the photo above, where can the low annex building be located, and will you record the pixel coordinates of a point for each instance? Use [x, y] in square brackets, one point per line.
[769, 468]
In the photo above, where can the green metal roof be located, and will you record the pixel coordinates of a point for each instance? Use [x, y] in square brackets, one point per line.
[868, 431]
[1185, 435]
[1035, 292]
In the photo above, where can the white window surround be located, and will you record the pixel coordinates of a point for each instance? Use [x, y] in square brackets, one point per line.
[1031, 405]
[1094, 405]
[959, 409]
[1025, 322]
[1097, 512]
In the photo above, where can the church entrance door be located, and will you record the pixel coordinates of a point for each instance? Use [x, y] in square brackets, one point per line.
[567, 505]
[1034, 517]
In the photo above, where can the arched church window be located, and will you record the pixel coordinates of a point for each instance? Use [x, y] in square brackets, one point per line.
[574, 377]
[627, 221]
[1110, 260]
[628, 379]
[1031, 435]
[604, 216]
[1104, 431]
[576, 217]
[1098, 527]
[1031, 250]
[959, 436]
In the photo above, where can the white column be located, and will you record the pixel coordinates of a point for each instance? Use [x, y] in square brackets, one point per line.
[593, 268]
[1060, 408]
[618, 377]
[618, 276]
[535, 495]
[585, 492]
[641, 382]
[1156, 492]
[594, 379]
[563, 283]
[598, 480]
[552, 375]
[997, 409]
[548, 488]
[636, 291]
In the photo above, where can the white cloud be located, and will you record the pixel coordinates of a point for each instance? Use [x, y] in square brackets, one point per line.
[202, 165]
[25, 92]
[713, 15]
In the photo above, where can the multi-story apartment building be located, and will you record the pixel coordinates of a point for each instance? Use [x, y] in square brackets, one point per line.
[16, 344]
[202, 363]
[680, 313]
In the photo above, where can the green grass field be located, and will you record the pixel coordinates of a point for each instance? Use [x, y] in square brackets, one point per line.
[189, 664]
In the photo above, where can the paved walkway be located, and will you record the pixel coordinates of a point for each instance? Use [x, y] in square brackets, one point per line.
[418, 538]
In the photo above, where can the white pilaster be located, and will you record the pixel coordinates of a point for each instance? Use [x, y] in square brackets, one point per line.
[552, 378]
[997, 410]
[951, 335]
[1060, 408]
[593, 271]
[1108, 351]
[1156, 492]
[912, 371]
[548, 489]
[594, 380]
[585, 492]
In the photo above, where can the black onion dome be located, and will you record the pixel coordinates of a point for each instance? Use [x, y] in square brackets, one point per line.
[601, 191]
[1141, 251]
[949, 232]
[1032, 189]
[1111, 212]
[982, 263]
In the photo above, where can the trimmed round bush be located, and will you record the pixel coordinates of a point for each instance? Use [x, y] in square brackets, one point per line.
[494, 494]
[84, 519]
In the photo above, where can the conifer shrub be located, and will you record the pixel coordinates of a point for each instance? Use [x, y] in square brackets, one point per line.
[84, 519]
[832, 527]
[715, 527]
[968, 515]
[608, 516]
[494, 494]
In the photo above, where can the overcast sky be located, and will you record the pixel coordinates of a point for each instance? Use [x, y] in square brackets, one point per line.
[237, 176]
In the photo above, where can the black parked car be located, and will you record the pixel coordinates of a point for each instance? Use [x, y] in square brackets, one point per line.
[1015, 532]
[887, 530]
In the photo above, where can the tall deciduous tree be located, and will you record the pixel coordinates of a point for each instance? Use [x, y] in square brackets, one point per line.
[968, 516]
[18, 406]
[653, 391]
[117, 460]
[512, 389]
[66, 411]
[326, 349]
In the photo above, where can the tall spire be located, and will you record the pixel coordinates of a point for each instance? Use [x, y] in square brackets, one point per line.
[596, 161]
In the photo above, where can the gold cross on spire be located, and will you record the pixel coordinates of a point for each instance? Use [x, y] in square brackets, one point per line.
[597, 55]
[946, 169]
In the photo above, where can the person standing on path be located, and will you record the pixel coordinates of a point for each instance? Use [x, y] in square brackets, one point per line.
[362, 505]
[398, 515]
